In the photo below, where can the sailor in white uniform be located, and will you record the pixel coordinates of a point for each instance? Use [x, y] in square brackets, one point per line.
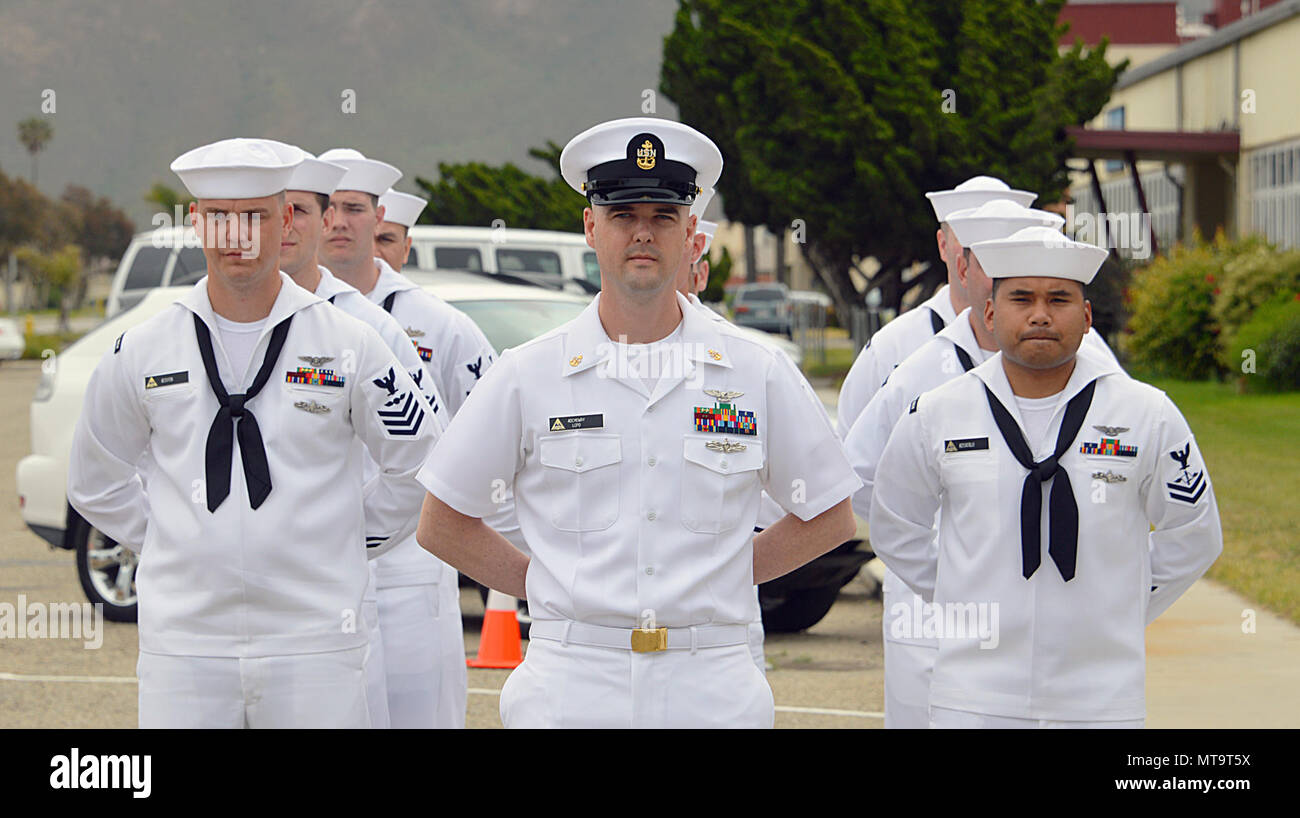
[905, 334]
[254, 526]
[691, 281]
[418, 598]
[637, 490]
[310, 188]
[909, 656]
[393, 235]
[1074, 507]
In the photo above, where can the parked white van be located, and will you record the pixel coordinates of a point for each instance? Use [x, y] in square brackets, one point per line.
[171, 256]
[164, 257]
[503, 250]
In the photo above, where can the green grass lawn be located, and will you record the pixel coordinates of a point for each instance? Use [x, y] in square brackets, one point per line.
[1250, 447]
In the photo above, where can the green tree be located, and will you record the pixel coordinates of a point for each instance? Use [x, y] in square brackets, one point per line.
[165, 198]
[477, 194]
[719, 275]
[842, 113]
[102, 229]
[35, 133]
[56, 273]
[22, 211]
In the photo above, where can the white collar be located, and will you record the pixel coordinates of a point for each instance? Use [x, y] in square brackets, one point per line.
[586, 343]
[942, 304]
[1086, 369]
[288, 300]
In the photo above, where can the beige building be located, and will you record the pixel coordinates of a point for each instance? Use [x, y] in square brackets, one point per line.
[1212, 128]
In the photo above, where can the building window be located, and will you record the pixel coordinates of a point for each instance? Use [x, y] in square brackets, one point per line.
[1115, 122]
[1275, 194]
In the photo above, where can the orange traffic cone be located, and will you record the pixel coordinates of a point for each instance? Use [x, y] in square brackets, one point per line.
[499, 643]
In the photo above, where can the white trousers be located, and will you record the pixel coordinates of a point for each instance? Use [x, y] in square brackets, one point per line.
[311, 690]
[756, 636]
[908, 668]
[580, 686]
[424, 654]
[376, 684]
[941, 718]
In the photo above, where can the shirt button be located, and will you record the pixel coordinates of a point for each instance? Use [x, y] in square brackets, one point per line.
[651, 516]
[723, 464]
[577, 461]
[652, 461]
[650, 569]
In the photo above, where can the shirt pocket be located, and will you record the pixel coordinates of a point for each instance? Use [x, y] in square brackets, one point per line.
[166, 394]
[716, 485]
[314, 400]
[582, 479]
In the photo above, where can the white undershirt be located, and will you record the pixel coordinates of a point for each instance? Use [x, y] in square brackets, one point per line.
[651, 360]
[239, 341]
[1037, 416]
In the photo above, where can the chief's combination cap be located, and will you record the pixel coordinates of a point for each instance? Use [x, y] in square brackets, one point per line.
[641, 159]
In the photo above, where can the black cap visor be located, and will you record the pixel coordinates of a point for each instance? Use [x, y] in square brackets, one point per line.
[643, 189]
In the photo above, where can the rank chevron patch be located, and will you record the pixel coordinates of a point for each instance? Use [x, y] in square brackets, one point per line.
[403, 421]
[1189, 485]
[1187, 488]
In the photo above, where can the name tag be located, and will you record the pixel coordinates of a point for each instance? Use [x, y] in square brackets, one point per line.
[571, 422]
[966, 444]
[169, 379]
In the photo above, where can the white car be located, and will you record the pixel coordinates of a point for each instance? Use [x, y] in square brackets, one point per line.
[12, 342]
[508, 314]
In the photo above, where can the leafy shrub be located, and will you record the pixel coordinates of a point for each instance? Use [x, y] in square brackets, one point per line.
[1172, 329]
[1269, 343]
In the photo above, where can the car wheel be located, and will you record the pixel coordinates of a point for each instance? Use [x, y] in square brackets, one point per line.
[107, 572]
[800, 599]
[796, 610]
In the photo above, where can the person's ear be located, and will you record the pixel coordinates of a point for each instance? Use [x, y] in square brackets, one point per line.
[943, 245]
[379, 215]
[589, 226]
[328, 218]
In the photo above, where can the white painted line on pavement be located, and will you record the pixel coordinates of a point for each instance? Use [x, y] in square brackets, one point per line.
[477, 691]
[23, 677]
[815, 711]
[826, 711]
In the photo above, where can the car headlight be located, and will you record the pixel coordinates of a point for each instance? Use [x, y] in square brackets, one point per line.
[45, 387]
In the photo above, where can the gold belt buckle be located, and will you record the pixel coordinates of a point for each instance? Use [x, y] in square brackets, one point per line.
[649, 640]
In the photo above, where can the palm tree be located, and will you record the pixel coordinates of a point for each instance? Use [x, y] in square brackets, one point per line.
[35, 133]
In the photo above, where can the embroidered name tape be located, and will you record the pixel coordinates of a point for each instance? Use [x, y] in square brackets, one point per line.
[966, 444]
[170, 379]
[572, 422]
